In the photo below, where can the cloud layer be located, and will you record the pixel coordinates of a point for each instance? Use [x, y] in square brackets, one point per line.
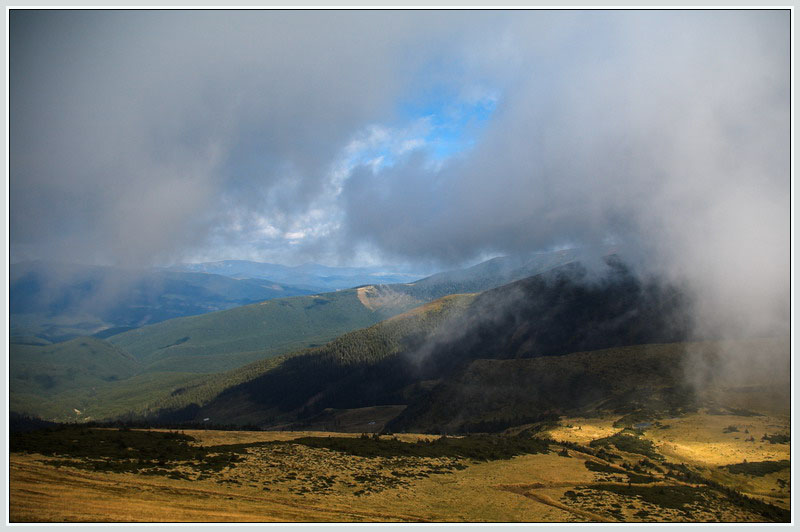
[150, 137]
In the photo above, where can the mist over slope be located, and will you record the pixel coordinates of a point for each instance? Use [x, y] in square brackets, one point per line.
[58, 301]
[175, 353]
[400, 362]
[275, 327]
[667, 130]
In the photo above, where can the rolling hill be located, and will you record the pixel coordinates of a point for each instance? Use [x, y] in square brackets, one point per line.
[178, 353]
[58, 301]
[44, 374]
[231, 338]
[415, 358]
[224, 340]
[221, 341]
[181, 352]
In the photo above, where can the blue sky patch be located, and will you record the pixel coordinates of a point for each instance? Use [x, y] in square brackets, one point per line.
[454, 123]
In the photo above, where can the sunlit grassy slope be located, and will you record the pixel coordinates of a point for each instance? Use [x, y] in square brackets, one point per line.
[579, 470]
[223, 340]
[93, 378]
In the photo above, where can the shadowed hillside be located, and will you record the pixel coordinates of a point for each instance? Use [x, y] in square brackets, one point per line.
[404, 360]
[350, 368]
[639, 382]
[177, 354]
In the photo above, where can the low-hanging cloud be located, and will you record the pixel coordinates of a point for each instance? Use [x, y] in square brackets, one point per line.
[667, 131]
[150, 137]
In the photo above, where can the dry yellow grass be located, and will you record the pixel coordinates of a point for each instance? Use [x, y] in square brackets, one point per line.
[694, 438]
[377, 299]
[41, 492]
[287, 482]
[700, 440]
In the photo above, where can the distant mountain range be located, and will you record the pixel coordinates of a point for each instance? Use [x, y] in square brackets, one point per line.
[417, 359]
[225, 340]
[54, 302]
[177, 352]
[314, 277]
[58, 301]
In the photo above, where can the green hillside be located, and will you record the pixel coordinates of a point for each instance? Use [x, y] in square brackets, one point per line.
[82, 362]
[72, 379]
[308, 370]
[127, 372]
[104, 400]
[224, 340]
[60, 301]
[57, 381]
[549, 344]
[183, 352]
[183, 348]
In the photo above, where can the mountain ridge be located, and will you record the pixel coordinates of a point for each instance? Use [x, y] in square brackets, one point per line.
[188, 350]
[316, 277]
[57, 301]
[394, 362]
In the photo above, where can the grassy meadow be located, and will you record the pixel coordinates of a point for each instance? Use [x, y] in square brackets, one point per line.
[694, 469]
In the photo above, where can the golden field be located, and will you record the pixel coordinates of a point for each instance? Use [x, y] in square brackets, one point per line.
[290, 482]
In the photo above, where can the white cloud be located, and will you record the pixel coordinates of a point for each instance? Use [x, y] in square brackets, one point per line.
[410, 145]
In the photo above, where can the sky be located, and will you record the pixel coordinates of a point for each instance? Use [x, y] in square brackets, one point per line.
[426, 139]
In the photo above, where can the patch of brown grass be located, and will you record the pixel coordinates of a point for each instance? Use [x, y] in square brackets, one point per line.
[287, 482]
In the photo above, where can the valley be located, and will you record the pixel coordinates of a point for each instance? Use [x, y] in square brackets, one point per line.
[405, 265]
[213, 348]
[557, 397]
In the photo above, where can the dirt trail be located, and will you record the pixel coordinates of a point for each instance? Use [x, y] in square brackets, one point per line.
[528, 491]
